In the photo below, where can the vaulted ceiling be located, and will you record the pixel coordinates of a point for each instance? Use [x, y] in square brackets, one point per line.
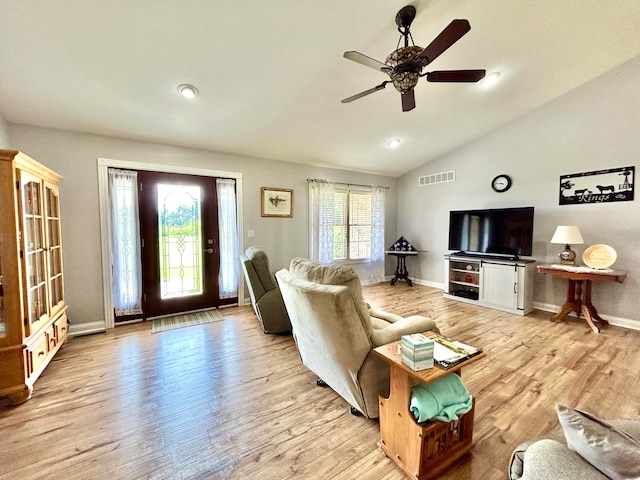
[271, 74]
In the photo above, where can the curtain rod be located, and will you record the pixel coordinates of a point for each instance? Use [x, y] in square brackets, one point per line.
[319, 180]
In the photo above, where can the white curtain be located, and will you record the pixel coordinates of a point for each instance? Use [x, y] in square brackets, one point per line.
[228, 228]
[377, 234]
[126, 269]
[321, 218]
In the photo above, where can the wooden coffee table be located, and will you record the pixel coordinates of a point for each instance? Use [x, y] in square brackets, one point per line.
[422, 451]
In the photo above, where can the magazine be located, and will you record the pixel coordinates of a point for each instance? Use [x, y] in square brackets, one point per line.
[448, 352]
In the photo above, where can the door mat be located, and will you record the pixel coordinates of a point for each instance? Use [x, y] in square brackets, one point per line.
[185, 320]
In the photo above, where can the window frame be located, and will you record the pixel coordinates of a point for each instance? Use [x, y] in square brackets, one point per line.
[348, 225]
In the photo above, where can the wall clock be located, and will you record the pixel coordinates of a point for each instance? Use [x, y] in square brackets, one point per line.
[501, 183]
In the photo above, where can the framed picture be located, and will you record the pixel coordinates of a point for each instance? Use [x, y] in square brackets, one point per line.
[277, 202]
[600, 186]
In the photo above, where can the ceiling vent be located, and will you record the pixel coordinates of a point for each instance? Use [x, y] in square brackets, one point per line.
[437, 178]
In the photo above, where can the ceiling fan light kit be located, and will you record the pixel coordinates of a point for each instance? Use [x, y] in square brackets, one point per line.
[404, 65]
[491, 79]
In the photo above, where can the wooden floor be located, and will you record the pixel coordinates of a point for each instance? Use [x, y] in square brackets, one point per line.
[224, 400]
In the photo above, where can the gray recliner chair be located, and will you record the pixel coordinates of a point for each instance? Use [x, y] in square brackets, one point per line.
[335, 330]
[264, 291]
[584, 448]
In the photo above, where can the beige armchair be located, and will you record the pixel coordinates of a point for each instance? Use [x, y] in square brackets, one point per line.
[335, 331]
[264, 291]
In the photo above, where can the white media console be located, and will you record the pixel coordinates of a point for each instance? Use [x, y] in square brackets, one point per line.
[498, 283]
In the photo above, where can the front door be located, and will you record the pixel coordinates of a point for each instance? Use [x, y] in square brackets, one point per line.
[179, 231]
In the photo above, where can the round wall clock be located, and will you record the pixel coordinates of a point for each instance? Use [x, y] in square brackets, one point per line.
[501, 183]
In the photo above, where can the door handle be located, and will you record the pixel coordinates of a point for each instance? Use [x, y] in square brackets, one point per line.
[208, 250]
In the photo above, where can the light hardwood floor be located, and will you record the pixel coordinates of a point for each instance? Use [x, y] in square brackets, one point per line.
[224, 400]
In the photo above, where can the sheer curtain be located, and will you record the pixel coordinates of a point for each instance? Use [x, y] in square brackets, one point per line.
[228, 228]
[124, 235]
[321, 219]
[376, 272]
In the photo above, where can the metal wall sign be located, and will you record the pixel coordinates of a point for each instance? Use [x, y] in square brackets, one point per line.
[600, 186]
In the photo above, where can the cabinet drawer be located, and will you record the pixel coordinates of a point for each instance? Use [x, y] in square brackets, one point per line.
[50, 334]
[37, 355]
[61, 329]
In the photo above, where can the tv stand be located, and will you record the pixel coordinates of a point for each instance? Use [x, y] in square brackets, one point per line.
[500, 282]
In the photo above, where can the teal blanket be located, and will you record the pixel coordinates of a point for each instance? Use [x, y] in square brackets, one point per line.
[443, 400]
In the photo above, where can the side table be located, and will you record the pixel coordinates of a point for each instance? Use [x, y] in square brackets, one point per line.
[401, 269]
[579, 298]
[422, 451]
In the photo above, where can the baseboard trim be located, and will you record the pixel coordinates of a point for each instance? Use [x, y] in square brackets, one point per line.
[617, 321]
[417, 281]
[545, 307]
[86, 328]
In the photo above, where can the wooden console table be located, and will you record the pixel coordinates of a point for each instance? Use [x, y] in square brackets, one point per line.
[422, 451]
[579, 298]
[401, 269]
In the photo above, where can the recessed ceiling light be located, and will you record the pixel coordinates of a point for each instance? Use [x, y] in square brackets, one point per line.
[187, 91]
[491, 79]
[394, 143]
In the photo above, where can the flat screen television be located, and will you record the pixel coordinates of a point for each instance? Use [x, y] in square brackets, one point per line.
[502, 232]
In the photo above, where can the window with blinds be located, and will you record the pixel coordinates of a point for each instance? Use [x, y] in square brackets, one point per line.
[352, 225]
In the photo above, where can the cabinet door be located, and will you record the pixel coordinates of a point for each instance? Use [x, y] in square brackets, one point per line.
[499, 285]
[34, 252]
[3, 321]
[54, 248]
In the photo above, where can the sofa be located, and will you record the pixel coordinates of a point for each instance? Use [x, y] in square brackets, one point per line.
[335, 330]
[264, 291]
[583, 448]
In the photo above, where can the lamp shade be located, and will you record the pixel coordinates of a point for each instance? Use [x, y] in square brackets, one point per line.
[567, 235]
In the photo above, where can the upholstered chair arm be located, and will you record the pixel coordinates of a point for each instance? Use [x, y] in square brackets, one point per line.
[402, 326]
[273, 313]
[550, 459]
[389, 317]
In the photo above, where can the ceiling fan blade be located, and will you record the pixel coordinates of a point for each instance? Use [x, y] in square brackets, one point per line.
[365, 93]
[450, 35]
[367, 61]
[408, 101]
[456, 76]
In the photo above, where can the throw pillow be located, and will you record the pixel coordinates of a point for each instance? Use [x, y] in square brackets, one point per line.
[607, 448]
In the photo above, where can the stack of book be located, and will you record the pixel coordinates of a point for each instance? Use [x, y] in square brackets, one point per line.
[416, 351]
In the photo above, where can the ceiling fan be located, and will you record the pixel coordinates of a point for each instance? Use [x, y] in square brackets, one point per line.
[404, 65]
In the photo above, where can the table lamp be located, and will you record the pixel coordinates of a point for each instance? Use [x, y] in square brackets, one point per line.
[567, 234]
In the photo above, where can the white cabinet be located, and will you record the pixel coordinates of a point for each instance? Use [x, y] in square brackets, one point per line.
[495, 283]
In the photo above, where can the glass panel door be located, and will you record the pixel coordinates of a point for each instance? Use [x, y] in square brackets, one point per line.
[34, 250]
[180, 252]
[3, 322]
[55, 248]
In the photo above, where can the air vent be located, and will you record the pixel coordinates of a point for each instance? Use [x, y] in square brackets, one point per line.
[437, 178]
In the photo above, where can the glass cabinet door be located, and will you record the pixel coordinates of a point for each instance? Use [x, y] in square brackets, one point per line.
[3, 321]
[34, 251]
[52, 209]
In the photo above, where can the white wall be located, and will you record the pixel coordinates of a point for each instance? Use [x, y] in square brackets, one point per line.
[591, 128]
[4, 135]
[74, 155]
